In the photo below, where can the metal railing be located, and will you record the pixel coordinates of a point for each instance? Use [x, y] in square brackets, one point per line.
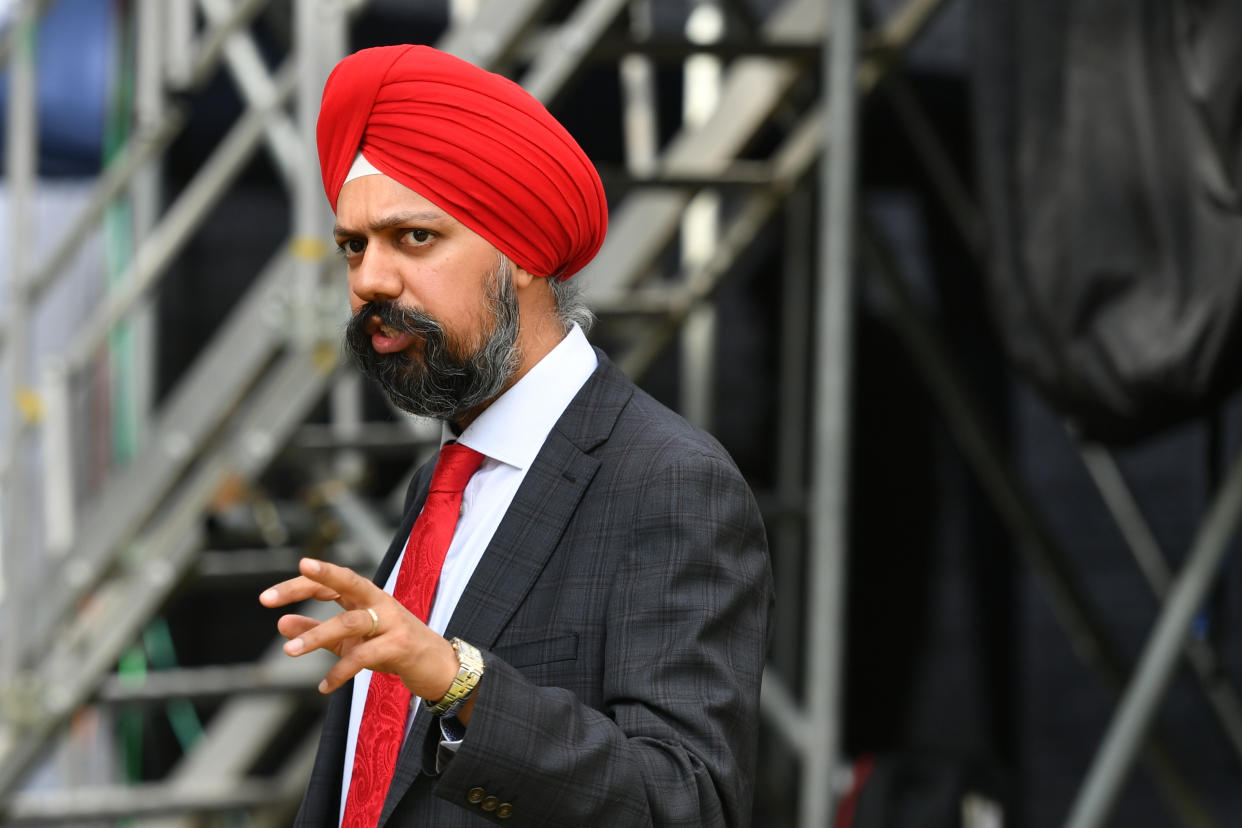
[255, 382]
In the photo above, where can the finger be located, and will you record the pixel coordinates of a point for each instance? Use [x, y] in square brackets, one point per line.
[330, 634]
[347, 667]
[423, 661]
[291, 626]
[353, 589]
[295, 590]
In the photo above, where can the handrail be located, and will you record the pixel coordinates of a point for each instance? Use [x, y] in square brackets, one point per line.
[141, 147]
[211, 50]
[177, 224]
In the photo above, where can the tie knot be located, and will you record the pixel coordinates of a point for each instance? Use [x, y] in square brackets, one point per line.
[454, 468]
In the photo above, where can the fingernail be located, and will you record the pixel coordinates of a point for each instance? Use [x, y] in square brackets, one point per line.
[312, 565]
[294, 647]
[268, 596]
[323, 686]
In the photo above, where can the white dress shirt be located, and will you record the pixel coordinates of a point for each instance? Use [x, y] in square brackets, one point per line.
[509, 433]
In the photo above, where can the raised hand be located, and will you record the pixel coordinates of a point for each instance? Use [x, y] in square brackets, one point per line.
[373, 631]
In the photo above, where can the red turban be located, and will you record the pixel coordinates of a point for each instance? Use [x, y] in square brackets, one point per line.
[472, 142]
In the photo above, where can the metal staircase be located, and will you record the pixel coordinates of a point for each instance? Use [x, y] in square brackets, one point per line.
[113, 560]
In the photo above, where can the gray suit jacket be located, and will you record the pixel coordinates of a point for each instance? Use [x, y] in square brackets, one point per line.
[622, 608]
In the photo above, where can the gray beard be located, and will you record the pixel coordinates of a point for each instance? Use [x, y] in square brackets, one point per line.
[446, 382]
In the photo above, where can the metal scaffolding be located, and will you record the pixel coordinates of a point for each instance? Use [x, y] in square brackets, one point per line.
[117, 552]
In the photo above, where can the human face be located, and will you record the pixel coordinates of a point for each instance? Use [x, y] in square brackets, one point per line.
[400, 251]
[400, 247]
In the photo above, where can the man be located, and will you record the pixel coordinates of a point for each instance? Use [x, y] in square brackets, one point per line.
[606, 586]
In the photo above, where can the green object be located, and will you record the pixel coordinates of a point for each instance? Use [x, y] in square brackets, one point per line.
[118, 252]
[181, 714]
[132, 671]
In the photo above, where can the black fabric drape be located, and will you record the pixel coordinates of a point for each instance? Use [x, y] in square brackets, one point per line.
[1110, 152]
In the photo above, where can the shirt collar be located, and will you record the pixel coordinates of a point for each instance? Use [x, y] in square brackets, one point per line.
[513, 428]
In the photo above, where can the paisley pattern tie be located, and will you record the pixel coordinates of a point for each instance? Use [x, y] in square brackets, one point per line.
[388, 700]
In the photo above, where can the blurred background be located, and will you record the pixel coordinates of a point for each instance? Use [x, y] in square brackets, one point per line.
[956, 282]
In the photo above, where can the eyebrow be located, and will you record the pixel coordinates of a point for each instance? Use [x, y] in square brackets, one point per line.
[396, 220]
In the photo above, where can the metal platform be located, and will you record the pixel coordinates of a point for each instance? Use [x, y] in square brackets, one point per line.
[110, 555]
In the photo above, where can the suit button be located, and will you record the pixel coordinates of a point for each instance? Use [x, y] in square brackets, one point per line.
[475, 795]
[504, 811]
[490, 803]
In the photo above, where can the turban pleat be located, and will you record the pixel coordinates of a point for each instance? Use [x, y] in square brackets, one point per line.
[472, 142]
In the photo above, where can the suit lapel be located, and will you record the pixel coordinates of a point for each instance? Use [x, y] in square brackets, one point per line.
[527, 535]
[536, 519]
[540, 511]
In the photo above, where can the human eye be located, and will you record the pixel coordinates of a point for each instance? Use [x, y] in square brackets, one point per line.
[350, 247]
[417, 236]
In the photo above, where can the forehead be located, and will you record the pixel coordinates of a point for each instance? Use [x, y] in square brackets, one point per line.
[370, 198]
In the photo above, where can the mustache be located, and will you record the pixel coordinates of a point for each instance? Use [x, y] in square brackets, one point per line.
[442, 375]
[394, 316]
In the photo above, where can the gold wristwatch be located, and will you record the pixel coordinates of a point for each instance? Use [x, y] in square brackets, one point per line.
[469, 671]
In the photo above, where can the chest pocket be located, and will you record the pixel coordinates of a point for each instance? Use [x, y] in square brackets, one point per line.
[548, 662]
[545, 652]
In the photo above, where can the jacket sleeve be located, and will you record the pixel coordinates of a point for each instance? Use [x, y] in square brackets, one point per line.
[675, 740]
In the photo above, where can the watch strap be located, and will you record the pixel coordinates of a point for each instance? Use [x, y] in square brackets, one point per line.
[469, 671]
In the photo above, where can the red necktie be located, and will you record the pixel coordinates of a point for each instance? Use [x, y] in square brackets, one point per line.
[388, 700]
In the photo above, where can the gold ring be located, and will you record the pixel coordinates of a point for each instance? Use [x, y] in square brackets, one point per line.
[374, 623]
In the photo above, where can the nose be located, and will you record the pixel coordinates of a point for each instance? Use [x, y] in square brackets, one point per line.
[375, 278]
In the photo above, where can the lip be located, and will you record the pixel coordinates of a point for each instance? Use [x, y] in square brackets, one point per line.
[391, 344]
[385, 341]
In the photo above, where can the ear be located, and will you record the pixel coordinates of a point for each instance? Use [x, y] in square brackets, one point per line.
[531, 288]
[534, 294]
[523, 278]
